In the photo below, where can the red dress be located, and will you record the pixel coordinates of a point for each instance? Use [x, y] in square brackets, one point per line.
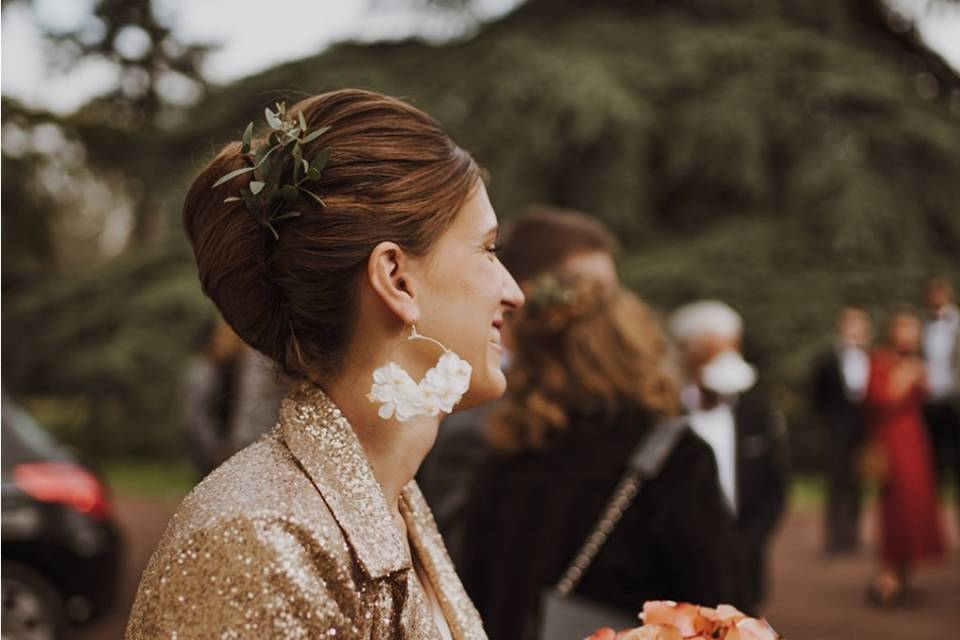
[910, 528]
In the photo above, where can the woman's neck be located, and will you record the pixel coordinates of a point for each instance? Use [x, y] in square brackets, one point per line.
[394, 449]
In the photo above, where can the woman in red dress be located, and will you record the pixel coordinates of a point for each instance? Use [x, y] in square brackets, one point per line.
[910, 529]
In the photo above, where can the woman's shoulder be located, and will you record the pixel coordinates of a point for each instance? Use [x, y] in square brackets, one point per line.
[260, 485]
[690, 461]
[247, 548]
[592, 446]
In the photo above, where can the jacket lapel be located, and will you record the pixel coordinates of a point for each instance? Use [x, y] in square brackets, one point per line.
[458, 610]
[325, 445]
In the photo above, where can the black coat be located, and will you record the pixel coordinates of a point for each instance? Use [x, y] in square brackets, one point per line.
[761, 484]
[529, 515]
[842, 417]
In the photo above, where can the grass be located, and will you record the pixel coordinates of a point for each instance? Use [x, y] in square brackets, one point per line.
[807, 491]
[152, 479]
[159, 478]
[174, 479]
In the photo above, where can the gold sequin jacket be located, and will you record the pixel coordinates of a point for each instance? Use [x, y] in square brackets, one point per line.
[293, 538]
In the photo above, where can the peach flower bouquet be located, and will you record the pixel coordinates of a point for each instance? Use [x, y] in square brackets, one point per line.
[668, 620]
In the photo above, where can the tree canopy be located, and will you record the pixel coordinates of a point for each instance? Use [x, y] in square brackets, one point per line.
[786, 156]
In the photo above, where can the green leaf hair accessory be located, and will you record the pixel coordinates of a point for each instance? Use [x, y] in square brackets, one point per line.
[280, 172]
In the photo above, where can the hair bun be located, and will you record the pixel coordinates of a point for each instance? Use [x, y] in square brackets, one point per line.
[394, 175]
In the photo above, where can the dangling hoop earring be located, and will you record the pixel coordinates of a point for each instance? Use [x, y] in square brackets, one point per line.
[440, 389]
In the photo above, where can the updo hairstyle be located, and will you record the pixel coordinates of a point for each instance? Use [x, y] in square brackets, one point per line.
[393, 175]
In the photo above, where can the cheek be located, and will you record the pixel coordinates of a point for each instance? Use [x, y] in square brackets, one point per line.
[471, 300]
[473, 290]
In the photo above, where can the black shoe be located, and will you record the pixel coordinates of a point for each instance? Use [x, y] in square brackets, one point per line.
[877, 599]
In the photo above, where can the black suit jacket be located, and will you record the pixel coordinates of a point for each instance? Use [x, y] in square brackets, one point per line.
[842, 417]
[761, 483]
[529, 515]
[829, 391]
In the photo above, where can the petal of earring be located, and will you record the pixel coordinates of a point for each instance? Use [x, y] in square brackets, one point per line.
[441, 388]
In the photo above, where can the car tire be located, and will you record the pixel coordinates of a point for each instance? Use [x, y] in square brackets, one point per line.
[32, 607]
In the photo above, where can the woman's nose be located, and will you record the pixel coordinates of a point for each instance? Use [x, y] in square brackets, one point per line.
[512, 296]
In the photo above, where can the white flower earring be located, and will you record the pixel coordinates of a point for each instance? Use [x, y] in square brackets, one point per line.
[440, 389]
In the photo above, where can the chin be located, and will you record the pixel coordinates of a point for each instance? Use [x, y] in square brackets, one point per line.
[492, 385]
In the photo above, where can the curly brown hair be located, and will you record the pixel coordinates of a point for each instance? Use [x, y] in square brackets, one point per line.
[582, 349]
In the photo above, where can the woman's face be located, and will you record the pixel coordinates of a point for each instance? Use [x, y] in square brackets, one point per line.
[466, 292]
[905, 333]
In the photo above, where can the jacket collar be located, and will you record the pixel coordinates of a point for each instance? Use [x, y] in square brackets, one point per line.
[326, 447]
[462, 617]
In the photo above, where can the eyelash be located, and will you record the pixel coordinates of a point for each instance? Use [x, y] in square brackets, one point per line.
[493, 249]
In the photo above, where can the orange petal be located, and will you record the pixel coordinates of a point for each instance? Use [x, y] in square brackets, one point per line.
[686, 617]
[709, 613]
[729, 612]
[753, 629]
[606, 633]
[652, 632]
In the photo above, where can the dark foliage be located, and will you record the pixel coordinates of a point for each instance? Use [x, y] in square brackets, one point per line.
[786, 156]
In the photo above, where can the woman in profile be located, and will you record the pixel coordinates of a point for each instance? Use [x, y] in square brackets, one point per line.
[588, 380]
[353, 245]
[910, 528]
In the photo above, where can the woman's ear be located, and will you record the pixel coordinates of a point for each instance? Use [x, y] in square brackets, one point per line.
[390, 276]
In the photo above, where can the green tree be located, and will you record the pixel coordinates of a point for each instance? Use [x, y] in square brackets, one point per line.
[787, 156]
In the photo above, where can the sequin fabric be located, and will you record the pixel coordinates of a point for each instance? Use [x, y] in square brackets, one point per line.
[293, 538]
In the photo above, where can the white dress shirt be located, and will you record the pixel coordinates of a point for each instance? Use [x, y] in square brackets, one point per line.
[717, 428]
[855, 369]
[940, 337]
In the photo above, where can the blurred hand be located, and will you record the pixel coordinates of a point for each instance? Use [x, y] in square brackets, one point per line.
[907, 374]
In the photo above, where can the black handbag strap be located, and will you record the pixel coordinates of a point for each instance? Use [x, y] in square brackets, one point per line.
[644, 463]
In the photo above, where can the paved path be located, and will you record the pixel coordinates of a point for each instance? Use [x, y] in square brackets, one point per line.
[816, 599]
[142, 521]
[811, 598]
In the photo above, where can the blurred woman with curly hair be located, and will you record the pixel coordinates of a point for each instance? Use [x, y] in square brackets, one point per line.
[589, 379]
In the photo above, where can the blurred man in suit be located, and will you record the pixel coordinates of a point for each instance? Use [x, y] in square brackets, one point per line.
[941, 351]
[839, 386]
[732, 414]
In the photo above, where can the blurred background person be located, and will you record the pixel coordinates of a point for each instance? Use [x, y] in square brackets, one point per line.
[588, 380]
[210, 396]
[910, 529]
[941, 351]
[839, 386]
[231, 396]
[540, 240]
[733, 415]
[561, 241]
[260, 389]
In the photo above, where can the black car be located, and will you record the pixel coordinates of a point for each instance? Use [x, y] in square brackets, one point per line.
[61, 547]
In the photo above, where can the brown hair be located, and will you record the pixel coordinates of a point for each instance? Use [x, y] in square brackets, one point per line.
[393, 175]
[599, 351]
[541, 238]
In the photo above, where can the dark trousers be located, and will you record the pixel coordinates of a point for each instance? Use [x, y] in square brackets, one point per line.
[843, 484]
[943, 421]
